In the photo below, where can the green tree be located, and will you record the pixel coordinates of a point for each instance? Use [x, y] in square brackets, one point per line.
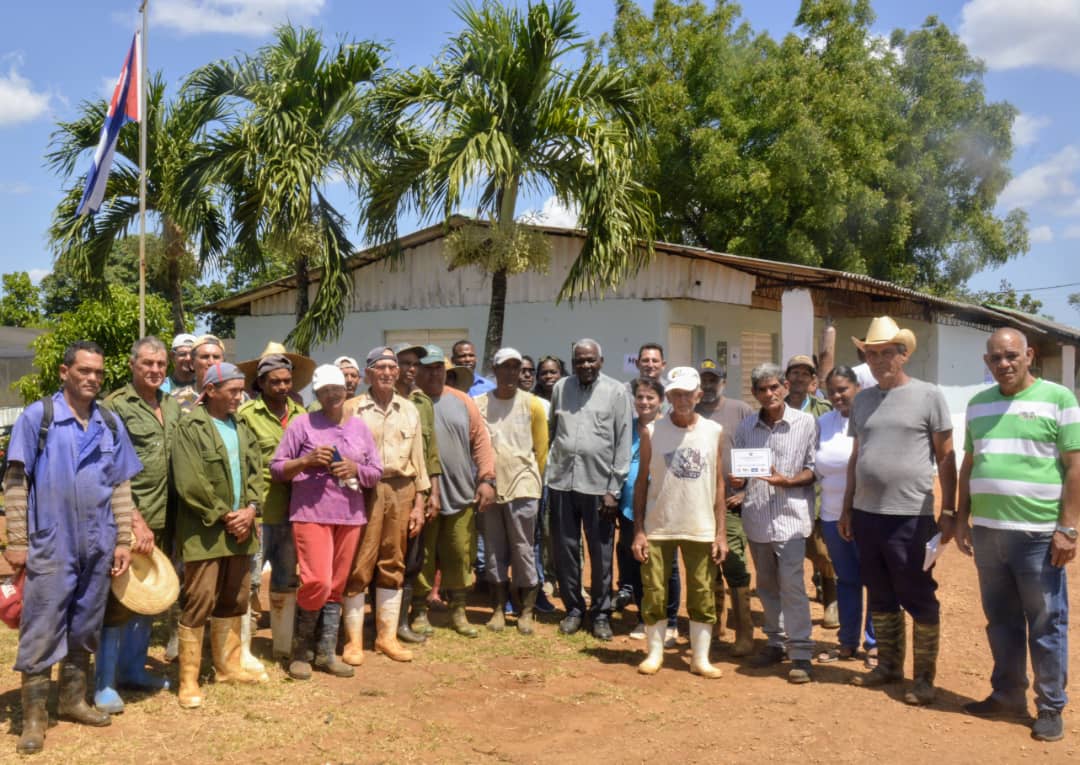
[507, 108]
[829, 148]
[294, 116]
[111, 321]
[20, 305]
[192, 228]
[1007, 296]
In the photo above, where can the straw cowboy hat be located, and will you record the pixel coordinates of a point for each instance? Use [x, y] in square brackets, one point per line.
[883, 330]
[302, 367]
[150, 584]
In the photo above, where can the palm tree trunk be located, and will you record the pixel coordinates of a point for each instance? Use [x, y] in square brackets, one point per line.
[506, 201]
[496, 315]
[174, 254]
[302, 302]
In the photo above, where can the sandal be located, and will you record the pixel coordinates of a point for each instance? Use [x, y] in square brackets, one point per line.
[871, 659]
[843, 653]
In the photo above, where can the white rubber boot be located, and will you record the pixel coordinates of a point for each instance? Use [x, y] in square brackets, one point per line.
[352, 617]
[251, 665]
[387, 614]
[654, 645]
[282, 622]
[700, 640]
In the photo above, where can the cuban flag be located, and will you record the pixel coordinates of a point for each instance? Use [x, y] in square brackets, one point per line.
[123, 108]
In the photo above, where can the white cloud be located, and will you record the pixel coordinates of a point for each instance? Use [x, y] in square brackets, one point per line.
[1049, 180]
[17, 188]
[1026, 128]
[1041, 235]
[553, 213]
[1009, 34]
[37, 274]
[243, 17]
[19, 102]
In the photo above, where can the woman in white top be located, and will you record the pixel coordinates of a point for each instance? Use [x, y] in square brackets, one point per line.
[831, 463]
[679, 505]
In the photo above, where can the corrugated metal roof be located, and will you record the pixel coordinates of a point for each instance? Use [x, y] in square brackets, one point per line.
[438, 286]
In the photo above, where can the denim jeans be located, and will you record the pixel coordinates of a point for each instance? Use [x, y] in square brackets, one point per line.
[849, 588]
[1023, 596]
[279, 550]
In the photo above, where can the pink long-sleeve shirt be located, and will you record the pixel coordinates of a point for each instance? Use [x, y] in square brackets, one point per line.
[317, 496]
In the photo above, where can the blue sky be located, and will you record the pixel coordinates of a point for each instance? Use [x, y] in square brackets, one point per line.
[54, 55]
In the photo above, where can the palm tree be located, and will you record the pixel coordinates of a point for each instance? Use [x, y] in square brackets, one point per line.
[499, 113]
[192, 226]
[295, 124]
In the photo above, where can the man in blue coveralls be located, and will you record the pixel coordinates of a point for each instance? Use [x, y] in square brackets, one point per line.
[68, 507]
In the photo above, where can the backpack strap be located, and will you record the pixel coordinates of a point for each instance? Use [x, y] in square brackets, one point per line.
[46, 423]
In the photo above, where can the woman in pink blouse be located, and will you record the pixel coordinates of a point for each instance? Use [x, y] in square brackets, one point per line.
[329, 459]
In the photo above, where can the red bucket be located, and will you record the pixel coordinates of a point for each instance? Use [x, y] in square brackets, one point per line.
[11, 599]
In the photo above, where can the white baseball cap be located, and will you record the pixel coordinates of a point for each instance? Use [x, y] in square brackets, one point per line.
[683, 378]
[506, 354]
[182, 340]
[327, 374]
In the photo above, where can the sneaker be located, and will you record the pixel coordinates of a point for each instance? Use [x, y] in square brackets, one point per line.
[601, 630]
[671, 636]
[773, 654]
[638, 633]
[543, 605]
[570, 625]
[993, 708]
[1048, 727]
[799, 672]
[622, 599]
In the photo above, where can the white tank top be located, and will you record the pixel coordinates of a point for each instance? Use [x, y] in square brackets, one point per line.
[682, 481]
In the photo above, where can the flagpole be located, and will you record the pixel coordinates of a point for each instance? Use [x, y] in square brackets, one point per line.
[142, 171]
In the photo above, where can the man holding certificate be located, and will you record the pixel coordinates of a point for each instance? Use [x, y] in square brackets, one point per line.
[774, 459]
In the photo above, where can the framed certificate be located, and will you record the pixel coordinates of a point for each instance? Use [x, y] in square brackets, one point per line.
[751, 463]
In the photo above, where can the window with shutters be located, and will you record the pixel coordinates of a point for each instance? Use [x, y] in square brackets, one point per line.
[757, 348]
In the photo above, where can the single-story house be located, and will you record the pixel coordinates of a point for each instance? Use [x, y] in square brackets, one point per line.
[16, 360]
[696, 303]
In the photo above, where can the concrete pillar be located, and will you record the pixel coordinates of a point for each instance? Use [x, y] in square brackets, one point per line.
[1068, 366]
[796, 324]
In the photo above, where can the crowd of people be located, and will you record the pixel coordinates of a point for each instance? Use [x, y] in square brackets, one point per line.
[432, 479]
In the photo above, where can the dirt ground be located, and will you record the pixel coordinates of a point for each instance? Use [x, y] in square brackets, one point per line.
[508, 698]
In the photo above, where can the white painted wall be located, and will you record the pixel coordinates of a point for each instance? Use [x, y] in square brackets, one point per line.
[620, 326]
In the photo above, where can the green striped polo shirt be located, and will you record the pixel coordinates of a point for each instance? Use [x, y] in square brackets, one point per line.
[1016, 444]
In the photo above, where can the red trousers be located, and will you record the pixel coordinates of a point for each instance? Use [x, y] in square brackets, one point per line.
[325, 553]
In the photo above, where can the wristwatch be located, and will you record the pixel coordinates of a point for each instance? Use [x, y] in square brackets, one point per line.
[1068, 531]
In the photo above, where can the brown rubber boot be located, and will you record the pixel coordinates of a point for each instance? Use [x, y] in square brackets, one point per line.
[35, 715]
[189, 644]
[924, 649]
[744, 623]
[72, 701]
[226, 648]
[889, 633]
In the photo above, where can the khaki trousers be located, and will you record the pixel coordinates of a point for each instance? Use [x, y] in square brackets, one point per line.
[381, 554]
[218, 587]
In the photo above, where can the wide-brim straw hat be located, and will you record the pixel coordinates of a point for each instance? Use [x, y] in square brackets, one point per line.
[303, 368]
[883, 330]
[463, 376]
[150, 584]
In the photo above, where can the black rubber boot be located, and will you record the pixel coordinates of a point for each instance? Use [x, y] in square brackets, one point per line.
[325, 657]
[35, 697]
[72, 703]
[303, 636]
[404, 632]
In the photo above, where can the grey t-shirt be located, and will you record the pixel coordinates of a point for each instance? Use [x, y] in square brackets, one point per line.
[729, 413]
[894, 474]
[457, 484]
